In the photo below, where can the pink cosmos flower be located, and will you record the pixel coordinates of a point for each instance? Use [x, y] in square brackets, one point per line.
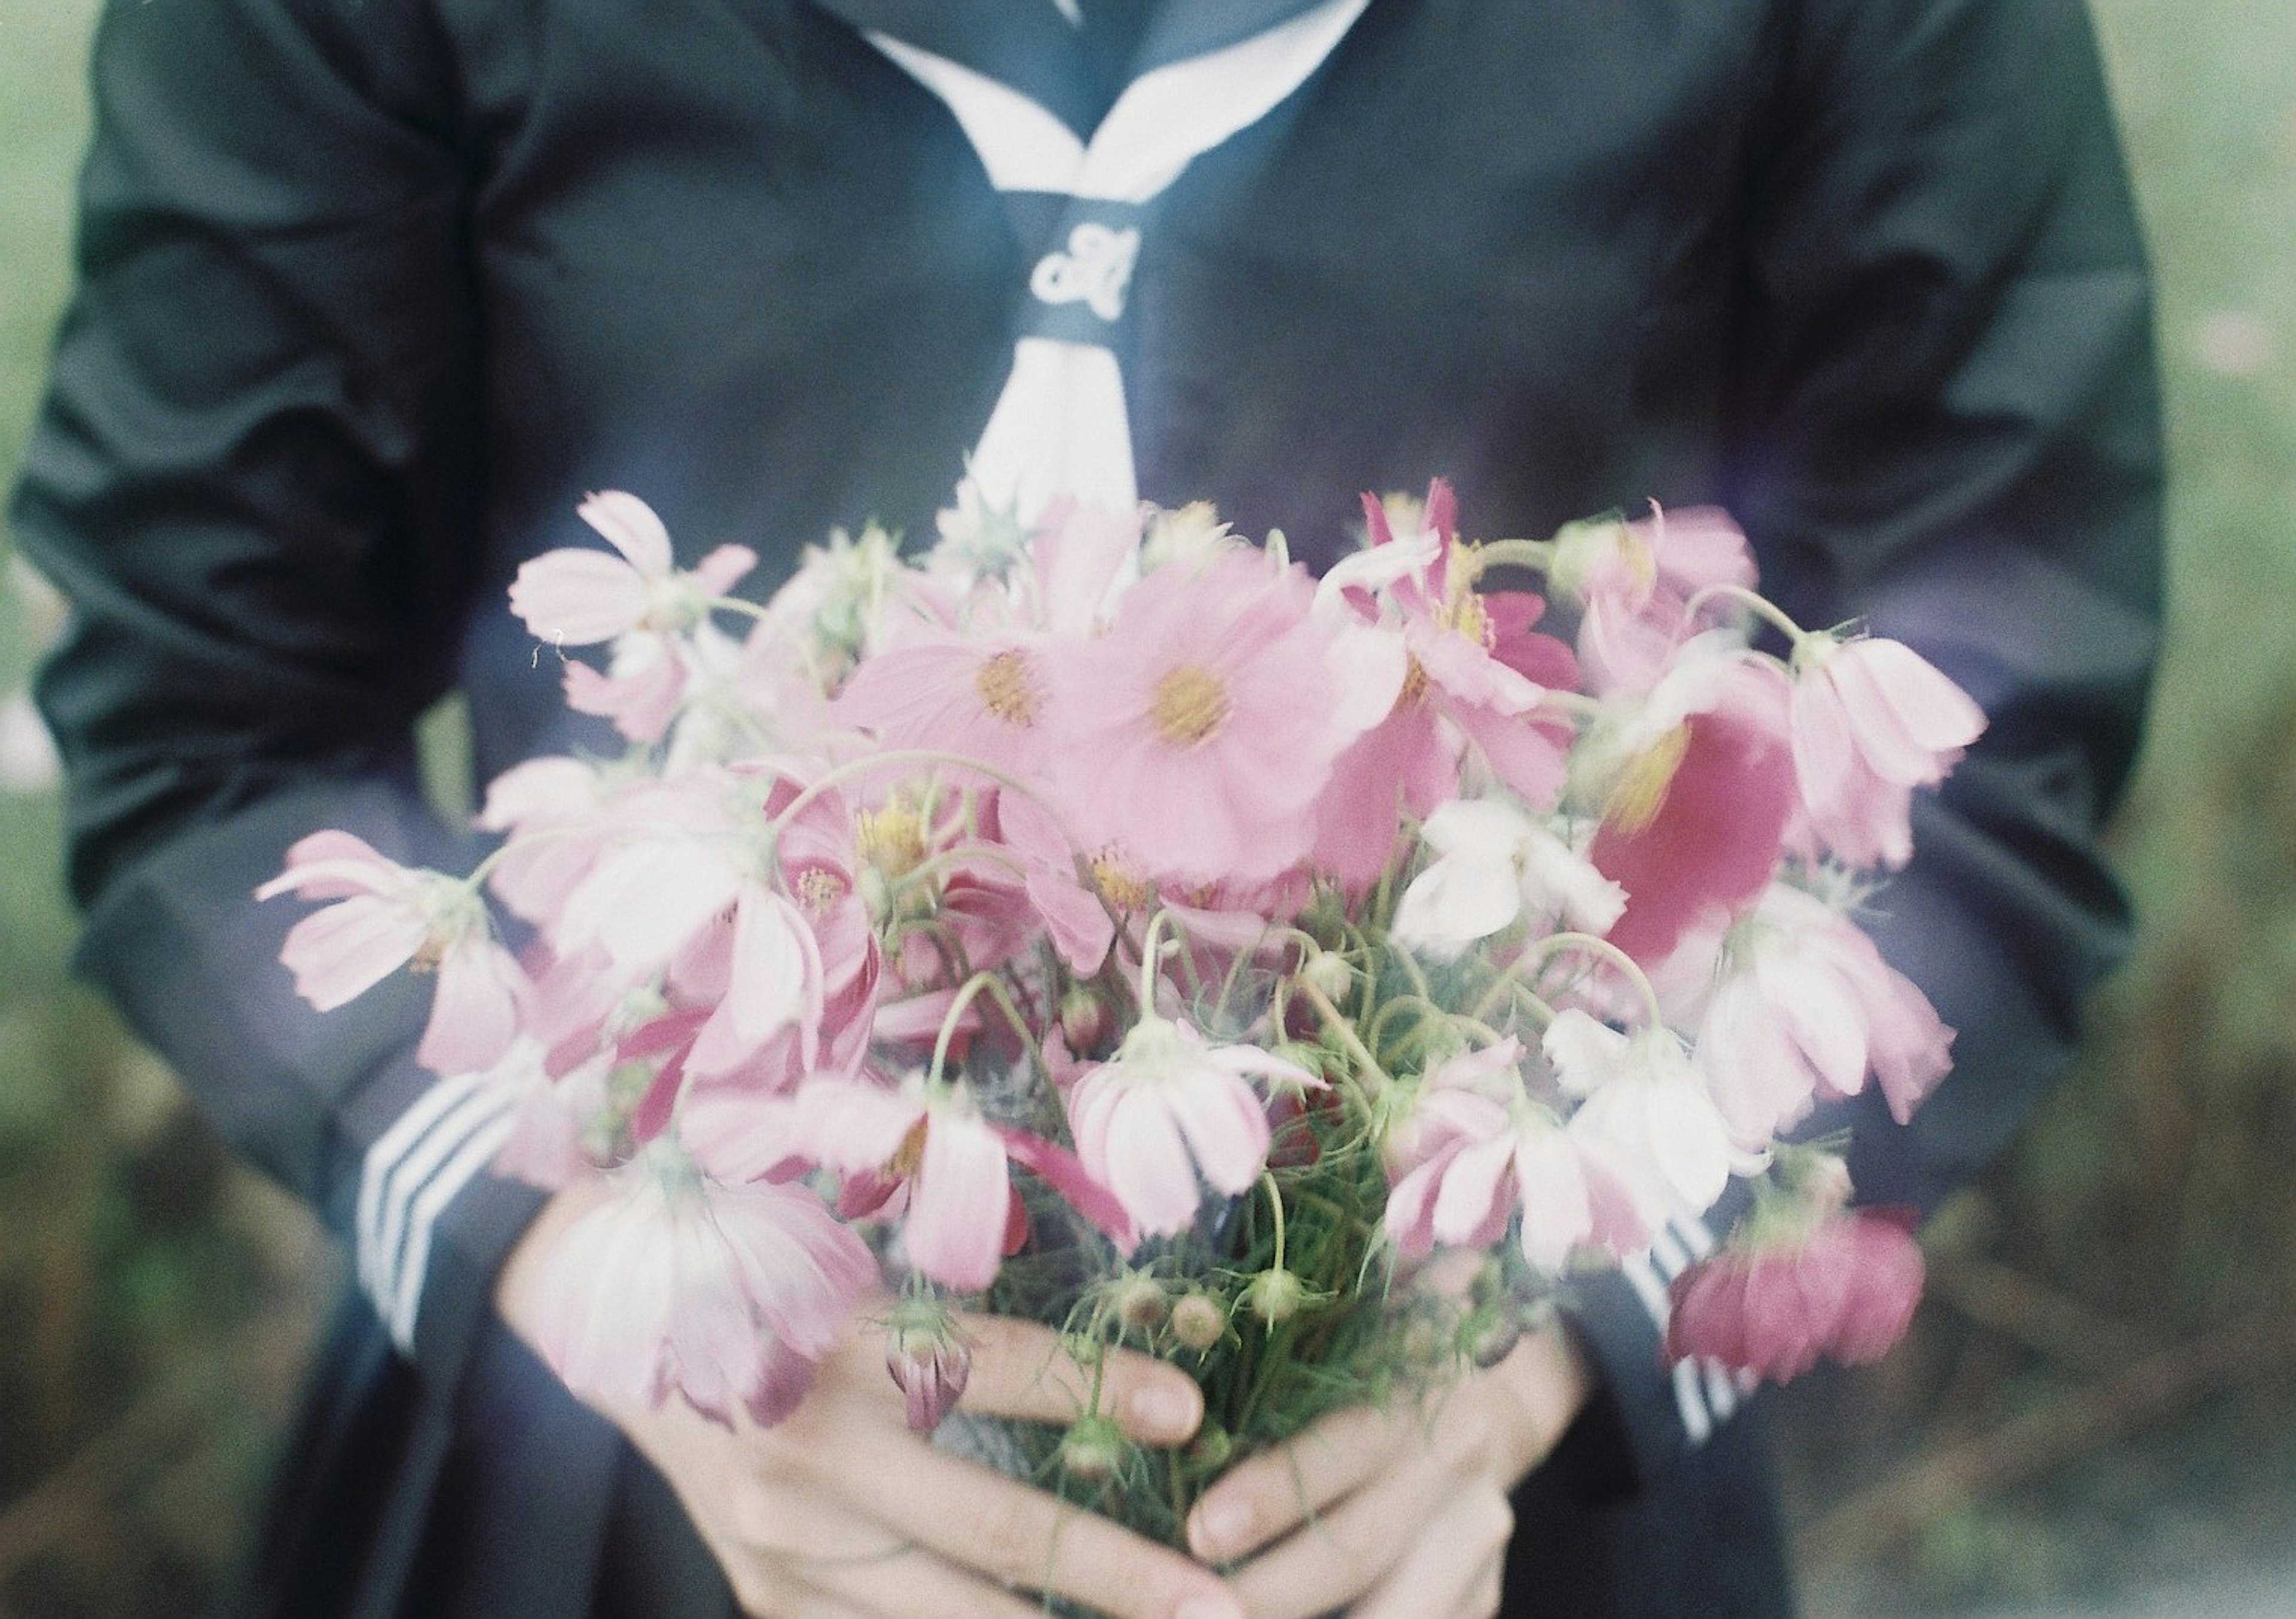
[1872, 720]
[551, 807]
[386, 916]
[948, 1167]
[985, 698]
[1634, 581]
[1474, 1148]
[1804, 1006]
[1192, 734]
[1169, 1107]
[572, 597]
[1704, 830]
[1473, 671]
[1844, 1288]
[726, 1294]
[1646, 1101]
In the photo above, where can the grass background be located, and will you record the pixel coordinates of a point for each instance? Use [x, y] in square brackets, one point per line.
[2100, 1388]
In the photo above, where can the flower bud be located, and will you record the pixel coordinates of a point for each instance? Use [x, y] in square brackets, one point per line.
[1198, 1321]
[929, 1364]
[1329, 973]
[1141, 1304]
[1211, 1447]
[1092, 1450]
[1275, 1296]
[1490, 1339]
[1087, 1019]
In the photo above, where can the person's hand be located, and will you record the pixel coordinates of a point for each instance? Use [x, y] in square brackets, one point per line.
[841, 1512]
[1394, 1513]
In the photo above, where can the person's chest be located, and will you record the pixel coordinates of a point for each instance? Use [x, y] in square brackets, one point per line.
[736, 260]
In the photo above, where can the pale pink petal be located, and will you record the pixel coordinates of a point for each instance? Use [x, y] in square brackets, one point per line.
[341, 951]
[1557, 1215]
[630, 526]
[1474, 1191]
[477, 1011]
[954, 1231]
[573, 598]
[724, 567]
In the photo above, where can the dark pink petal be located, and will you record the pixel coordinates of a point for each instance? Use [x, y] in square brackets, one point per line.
[1714, 841]
[1066, 1174]
[1543, 660]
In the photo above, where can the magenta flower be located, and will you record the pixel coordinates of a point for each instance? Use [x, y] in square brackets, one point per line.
[1704, 832]
[1872, 720]
[573, 597]
[1169, 1107]
[1190, 734]
[386, 916]
[1844, 1288]
[726, 1294]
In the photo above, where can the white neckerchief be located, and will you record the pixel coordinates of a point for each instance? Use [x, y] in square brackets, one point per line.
[1059, 425]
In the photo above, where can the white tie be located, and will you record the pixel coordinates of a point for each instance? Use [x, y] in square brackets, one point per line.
[1059, 425]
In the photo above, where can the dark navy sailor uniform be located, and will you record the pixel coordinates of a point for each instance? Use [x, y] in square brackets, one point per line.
[374, 291]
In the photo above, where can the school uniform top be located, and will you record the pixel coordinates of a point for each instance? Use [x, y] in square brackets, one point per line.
[374, 291]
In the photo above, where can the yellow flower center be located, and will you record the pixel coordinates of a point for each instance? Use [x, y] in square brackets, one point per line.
[892, 838]
[1191, 706]
[1117, 884]
[1641, 788]
[818, 889]
[909, 1157]
[1007, 689]
[1415, 683]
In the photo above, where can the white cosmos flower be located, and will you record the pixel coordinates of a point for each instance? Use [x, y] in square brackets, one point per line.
[1495, 863]
[1647, 1102]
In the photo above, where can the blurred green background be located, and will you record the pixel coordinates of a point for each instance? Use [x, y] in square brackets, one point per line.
[2101, 1392]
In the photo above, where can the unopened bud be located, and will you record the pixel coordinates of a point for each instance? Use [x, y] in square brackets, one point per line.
[1490, 1339]
[1092, 1449]
[930, 1366]
[1211, 1447]
[1198, 1321]
[1329, 973]
[1141, 1304]
[1275, 1296]
[1086, 1020]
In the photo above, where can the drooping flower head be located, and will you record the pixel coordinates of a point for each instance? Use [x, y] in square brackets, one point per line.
[573, 597]
[726, 1294]
[1782, 1295]
[1872, 720]
[386, 916]
[1170, 1106]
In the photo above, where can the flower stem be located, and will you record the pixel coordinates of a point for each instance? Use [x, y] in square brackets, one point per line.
[972, 987]
[1759, 605]
[1587, 943]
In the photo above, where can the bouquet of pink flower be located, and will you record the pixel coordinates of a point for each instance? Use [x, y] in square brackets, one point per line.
[1109, 925]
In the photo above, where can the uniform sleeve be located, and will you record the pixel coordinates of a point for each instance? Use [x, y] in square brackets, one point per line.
[1947, 426]
[253, 478]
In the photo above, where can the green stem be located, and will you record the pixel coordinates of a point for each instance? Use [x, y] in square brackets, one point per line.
[1585, 943]
[971, 987]
[1759, 605]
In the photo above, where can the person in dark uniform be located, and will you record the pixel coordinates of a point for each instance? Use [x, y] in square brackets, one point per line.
[373, 290]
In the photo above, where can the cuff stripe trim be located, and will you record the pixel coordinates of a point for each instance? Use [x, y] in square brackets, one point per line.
[410, 1173]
